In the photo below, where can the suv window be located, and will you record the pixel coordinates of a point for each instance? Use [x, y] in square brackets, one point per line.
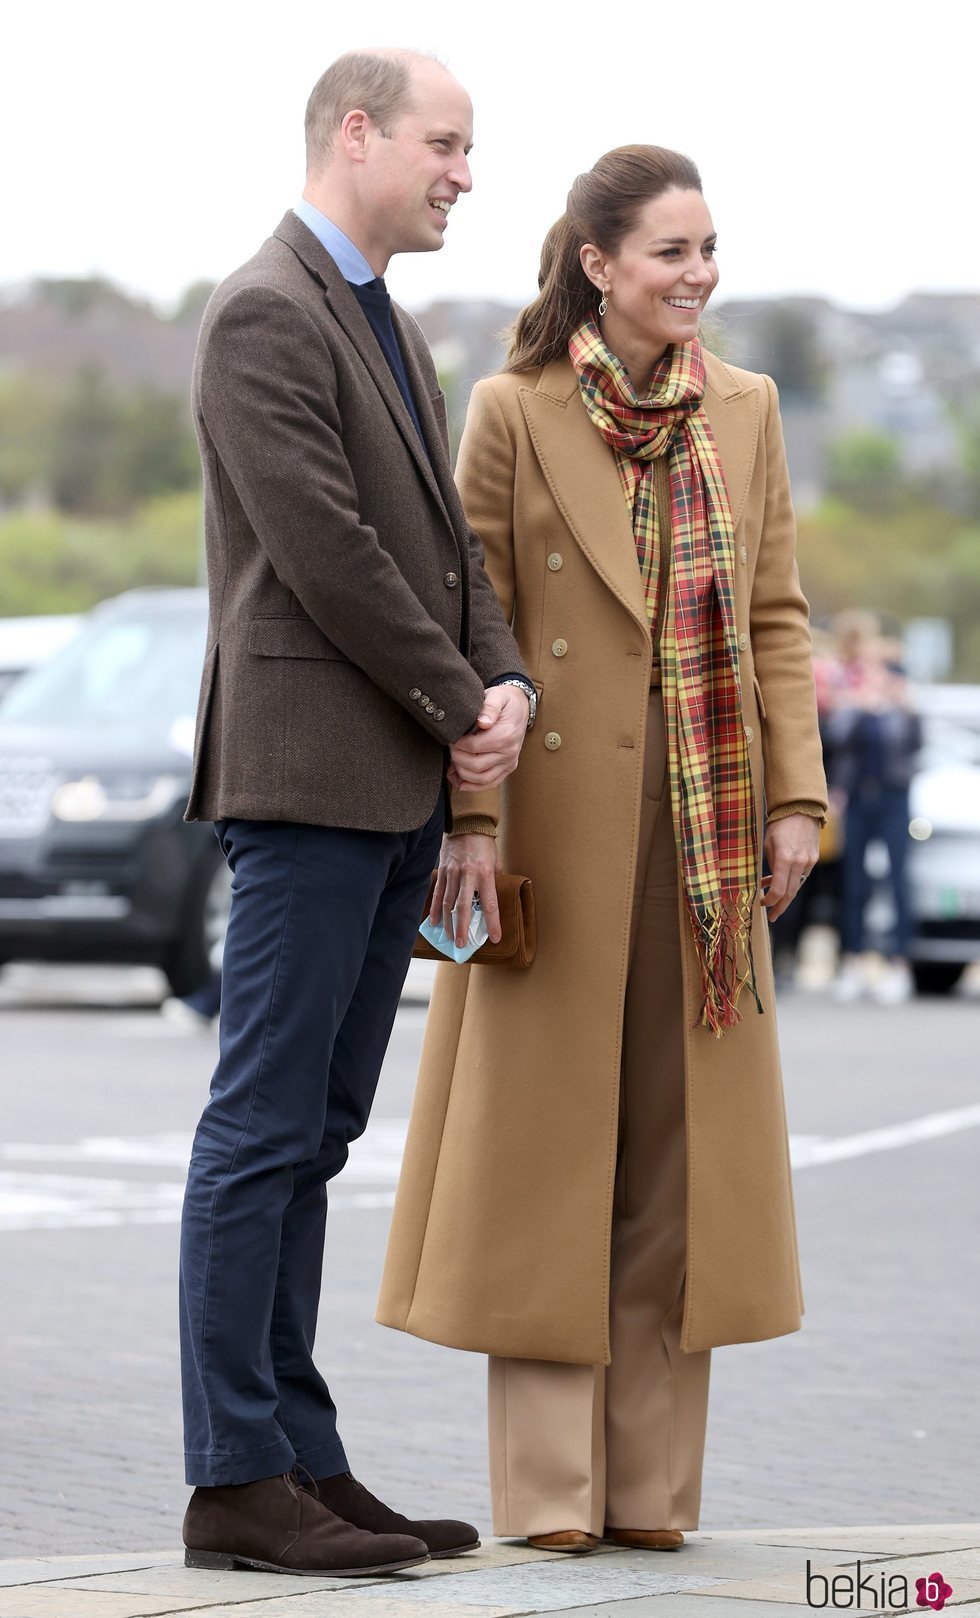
[135, 670]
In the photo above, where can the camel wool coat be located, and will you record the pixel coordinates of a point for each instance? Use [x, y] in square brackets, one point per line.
[500, 1239]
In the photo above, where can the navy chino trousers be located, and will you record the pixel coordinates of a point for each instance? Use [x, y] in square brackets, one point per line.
[319, 941]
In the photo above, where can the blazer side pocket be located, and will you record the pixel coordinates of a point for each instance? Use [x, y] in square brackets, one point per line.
[290, 637]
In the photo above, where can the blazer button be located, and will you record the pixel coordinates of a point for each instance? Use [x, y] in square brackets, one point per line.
[743, 555]
[430, 707]
[423, 701]
[552, 741]
[743, 641]
[451, 580]
[555, 562]
[440, 714]
[559, 647]
[749, 733]
[415, 693]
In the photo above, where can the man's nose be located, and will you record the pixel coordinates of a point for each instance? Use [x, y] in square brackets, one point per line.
[460, 175]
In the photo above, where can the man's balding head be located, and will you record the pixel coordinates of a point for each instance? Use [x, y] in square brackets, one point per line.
[377, 81]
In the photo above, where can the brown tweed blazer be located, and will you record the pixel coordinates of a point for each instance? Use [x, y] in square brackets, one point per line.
[352, 627]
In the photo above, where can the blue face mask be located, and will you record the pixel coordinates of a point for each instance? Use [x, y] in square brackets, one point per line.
[446, 942]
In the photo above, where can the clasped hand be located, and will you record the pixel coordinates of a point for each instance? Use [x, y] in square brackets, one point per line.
[488, 753]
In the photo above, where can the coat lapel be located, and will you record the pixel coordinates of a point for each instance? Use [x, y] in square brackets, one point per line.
[582, 476]
[734, 416]
[583, 479]
[354, 323]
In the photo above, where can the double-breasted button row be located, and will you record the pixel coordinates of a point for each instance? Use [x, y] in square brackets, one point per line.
[418, 695]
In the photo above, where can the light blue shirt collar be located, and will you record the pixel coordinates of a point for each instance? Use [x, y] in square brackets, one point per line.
[349, 259]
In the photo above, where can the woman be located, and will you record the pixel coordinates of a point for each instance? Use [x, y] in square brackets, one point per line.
[596, 1189]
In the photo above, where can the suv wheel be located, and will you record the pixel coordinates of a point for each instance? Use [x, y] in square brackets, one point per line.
[197, 951]
[936, 977]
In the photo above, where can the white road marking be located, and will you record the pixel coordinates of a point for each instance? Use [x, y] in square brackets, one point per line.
[807, 1151]
[41, 1200]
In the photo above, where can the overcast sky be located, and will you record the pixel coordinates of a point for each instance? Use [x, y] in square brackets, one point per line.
[159, 144]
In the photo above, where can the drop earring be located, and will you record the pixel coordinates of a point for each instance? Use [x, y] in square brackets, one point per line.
[604, 303]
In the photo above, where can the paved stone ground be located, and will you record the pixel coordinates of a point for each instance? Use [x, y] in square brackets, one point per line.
[865, 1416]
[768, 1573]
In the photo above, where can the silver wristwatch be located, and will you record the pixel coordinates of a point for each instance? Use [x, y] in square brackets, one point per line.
[530, 693]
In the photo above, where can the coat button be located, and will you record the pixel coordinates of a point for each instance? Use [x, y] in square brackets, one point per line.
[440, 714]
[415, 693]
[423, 701]
[430, 707]
[743, 641]
[559, 647]
[552, 741]
[743, 555]
[749, 733]
[451, 580]
[555, 561]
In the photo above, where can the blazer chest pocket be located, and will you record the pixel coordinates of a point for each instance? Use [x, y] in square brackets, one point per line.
[290, 637]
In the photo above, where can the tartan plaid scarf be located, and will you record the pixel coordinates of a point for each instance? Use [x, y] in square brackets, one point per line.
[710, 781]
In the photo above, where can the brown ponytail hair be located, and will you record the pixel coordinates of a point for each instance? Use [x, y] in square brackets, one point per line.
[602, 207]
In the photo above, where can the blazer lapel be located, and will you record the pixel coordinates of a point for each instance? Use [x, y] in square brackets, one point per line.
[352, 319]
[438, 453]
[582, 476]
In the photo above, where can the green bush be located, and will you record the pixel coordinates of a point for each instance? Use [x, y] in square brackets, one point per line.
[50, 562]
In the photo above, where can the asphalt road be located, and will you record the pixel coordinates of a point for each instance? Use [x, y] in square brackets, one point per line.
[866, 1416]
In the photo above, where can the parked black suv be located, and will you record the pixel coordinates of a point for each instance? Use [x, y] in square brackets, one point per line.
[96, 862]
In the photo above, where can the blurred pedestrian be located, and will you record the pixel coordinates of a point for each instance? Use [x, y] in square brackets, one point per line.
[353, 636]
[632, 494]
[840, 657]
[875, 736]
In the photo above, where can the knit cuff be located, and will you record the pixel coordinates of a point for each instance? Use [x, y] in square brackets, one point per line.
[473, 826]
[806, 806]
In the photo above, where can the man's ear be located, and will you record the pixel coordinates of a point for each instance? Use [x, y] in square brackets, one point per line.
[353, 134]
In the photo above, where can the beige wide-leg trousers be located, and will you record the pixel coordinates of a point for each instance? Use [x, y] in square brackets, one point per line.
[621, 1446]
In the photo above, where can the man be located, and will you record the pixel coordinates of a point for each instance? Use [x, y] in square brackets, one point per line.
[356, 648]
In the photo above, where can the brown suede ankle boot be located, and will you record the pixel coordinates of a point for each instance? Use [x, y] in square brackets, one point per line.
[276, 1525]
[351, 1500]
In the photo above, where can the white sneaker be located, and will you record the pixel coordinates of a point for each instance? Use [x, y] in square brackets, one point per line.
[894, 985]
[850, 983]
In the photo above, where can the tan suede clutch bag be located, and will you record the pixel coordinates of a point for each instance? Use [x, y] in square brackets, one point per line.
[518, 927]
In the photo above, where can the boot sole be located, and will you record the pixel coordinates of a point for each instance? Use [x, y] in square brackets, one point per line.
[220, 1560]
[454, 1550]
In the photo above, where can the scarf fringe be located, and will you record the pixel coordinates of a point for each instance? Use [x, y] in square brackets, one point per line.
[723, 938]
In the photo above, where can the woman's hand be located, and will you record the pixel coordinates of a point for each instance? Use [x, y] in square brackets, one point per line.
[466, 866]
[792, 848]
